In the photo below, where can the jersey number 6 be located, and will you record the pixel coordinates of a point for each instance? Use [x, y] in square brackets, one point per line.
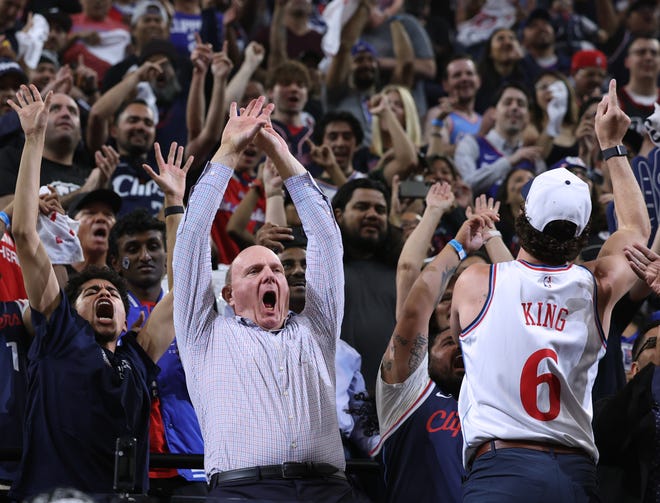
[530, 380]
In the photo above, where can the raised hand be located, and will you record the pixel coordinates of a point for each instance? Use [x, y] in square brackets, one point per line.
[150, 69]
[107, 160]
[221, 65]
[611, 122]
[485, 206]
[171, 177]
[440, 196]
[242, 129]
[272, 179]
[471, 233]
[201, 55]
[271, 236]
[31, 109]
[321, 155]
[646, 264]
[254, 54]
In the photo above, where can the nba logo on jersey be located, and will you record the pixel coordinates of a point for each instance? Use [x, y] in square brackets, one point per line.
[547, 281]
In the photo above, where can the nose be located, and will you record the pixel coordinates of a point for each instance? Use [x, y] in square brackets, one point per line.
[145, 256]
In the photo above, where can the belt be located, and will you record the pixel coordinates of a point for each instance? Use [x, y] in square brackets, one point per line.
[285, 471]
[493, 445]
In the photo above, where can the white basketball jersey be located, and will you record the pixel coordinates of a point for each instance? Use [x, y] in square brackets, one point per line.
[531, 358]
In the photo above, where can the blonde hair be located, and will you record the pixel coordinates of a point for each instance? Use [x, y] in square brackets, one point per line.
[412, 126]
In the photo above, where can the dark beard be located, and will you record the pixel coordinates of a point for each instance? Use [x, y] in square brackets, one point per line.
[356, 245]
[451, 385]
[166, 95]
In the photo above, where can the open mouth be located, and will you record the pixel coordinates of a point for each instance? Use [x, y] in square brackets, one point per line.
[269, 300]
[458, 363]
[104, 310]
[100, 232]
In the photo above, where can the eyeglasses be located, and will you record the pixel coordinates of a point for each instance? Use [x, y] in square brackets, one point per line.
[649, 344]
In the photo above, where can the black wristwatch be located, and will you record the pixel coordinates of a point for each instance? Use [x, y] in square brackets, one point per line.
[618, 151]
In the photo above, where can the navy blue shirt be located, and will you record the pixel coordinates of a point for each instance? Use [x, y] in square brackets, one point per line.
[14, 343]
[81, 397]
[422, 452]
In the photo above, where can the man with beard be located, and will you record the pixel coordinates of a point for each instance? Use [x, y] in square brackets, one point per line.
[484, 161]
[455, 116]
[84, 392]
[371, 249]
[538, 39]
[422, 369]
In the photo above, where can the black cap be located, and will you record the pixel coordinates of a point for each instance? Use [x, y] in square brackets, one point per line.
[538, 13]
[12, 73]
[56, 17]
[107, 196]
[159, 47]
[642, 4]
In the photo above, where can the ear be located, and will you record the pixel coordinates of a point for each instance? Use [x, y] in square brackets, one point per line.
[114, 263]
[113, 131]
[634, 369]
[227, 295]
[339, 215]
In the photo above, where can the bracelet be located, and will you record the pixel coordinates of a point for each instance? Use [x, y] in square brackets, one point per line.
[173, 210]
[493, 233]
[5, 218]
[275, 194]
[459, 249]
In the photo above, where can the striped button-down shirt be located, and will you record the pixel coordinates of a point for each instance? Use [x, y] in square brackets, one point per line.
[261, 397]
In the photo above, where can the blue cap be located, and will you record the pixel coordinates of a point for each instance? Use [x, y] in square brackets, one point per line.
[362, 46]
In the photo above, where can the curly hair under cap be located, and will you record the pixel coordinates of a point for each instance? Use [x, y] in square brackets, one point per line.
[556, 245]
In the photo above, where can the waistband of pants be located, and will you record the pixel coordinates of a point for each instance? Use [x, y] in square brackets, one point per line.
[493, 445]
[285, 471]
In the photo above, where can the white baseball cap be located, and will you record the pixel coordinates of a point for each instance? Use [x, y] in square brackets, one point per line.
[557, 194]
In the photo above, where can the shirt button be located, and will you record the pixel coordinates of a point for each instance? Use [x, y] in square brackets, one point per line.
[281, 369]
[294, 445]
[286, 393]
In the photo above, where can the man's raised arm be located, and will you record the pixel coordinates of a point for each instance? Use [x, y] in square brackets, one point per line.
[324, 302]
[40, 281]
[158, 333]
[633, 219]
[193, 303]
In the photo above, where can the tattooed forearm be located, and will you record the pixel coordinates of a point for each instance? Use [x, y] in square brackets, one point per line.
[417, 351]
[444, 281]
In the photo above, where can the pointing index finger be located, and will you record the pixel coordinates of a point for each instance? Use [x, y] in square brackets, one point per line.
[613, 99]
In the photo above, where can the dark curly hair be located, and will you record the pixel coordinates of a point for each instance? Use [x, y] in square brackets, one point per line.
[556, 245]
[72, 289]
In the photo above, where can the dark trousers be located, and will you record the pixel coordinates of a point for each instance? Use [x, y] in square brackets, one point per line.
[524, 475]
[317, 490]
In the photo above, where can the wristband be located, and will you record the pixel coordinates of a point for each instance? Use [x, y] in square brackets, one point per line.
[437, 122]
[618, 151]
[5, 218]
[493, 233]
[459, 249]
[173, 210]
